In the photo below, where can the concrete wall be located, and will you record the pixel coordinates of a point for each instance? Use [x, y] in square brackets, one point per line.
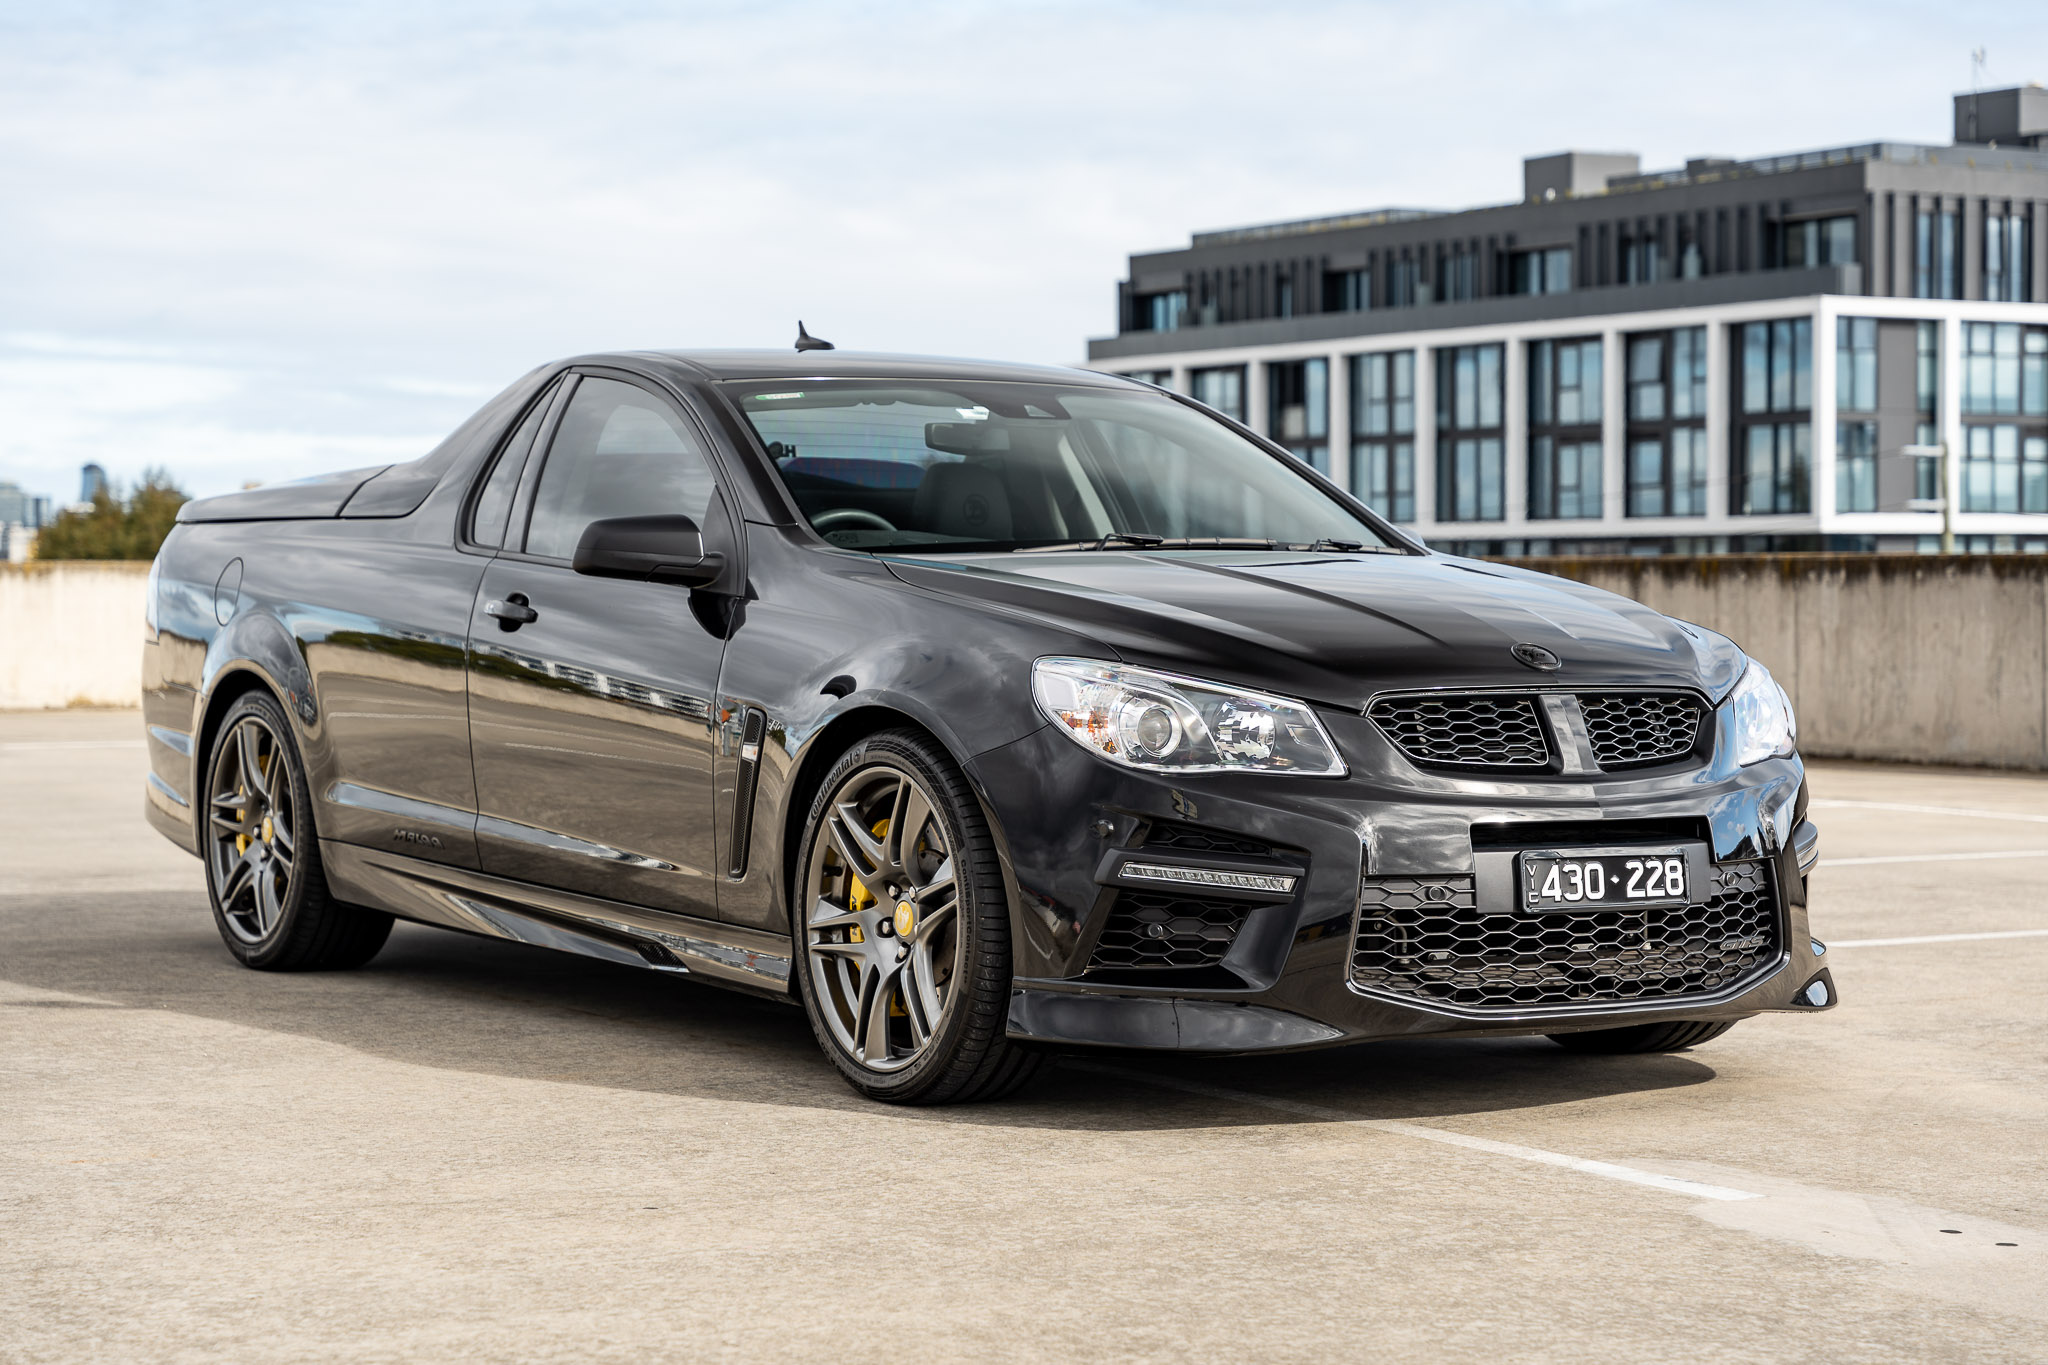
[71, 634]
[1904, 657]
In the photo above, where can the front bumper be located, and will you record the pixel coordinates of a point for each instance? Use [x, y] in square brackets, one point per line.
[1071, 823]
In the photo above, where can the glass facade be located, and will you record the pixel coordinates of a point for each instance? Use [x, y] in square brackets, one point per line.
[1471, 471]
[1548, 271]
[2005, 369]
[1937, 255]
[1665, 448]
[2005, 468]
[1564, 429]
[1347, 291]
[1222, 388]
[1298, 409]
[1383, 433]
[2008, 258]
[1160, 312]
[1817, 241]
[1773, 457]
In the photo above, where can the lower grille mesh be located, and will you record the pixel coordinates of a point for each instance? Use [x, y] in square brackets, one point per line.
[1425, 938]
[1155, 929]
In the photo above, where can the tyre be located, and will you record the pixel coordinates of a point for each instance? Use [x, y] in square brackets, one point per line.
[270, 896]
[1641, 1037]
[902, 929]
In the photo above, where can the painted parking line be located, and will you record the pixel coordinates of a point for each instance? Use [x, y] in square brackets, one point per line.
[1835, 943]
[1825, 803]
[1606, 1170]
[1934, 857]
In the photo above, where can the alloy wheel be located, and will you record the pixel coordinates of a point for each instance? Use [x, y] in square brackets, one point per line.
[882, 926]
[251, 829]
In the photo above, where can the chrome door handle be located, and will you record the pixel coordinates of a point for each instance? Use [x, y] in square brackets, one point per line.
[512, 612]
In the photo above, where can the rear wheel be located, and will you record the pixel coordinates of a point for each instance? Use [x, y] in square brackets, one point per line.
[263, 873]
[902, 929]
[1641, 1037]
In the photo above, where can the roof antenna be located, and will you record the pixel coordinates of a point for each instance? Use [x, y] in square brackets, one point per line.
[806, 342]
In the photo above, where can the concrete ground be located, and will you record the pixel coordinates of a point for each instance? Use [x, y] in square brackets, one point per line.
[474, 1150]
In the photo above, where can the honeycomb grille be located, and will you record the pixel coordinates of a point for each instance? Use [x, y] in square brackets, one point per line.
[1466, 732]
[1153, 929]
[1194, 839]
[1426, 939]
[1628, 730]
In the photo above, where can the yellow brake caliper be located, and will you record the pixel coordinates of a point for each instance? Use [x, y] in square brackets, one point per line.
[858, 897]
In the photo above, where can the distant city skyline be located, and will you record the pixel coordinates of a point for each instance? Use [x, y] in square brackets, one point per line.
[253, 242]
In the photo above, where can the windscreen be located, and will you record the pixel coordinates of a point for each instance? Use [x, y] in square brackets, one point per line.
[964, 466]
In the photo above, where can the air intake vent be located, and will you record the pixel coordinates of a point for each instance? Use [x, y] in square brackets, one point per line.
[1634, 729]
[1465, 732]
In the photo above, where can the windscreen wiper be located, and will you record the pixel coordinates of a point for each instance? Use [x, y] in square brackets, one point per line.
[1143, 540]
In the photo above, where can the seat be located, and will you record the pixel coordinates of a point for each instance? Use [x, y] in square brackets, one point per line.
[966, 500]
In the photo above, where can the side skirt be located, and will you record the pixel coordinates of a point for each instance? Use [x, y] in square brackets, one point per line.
[456, 898]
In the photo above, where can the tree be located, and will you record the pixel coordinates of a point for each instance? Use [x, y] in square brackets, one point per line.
[114, 528]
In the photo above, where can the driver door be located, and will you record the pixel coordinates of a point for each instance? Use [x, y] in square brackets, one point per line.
[590, 698]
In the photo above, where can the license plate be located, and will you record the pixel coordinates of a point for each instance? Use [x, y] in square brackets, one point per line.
[1564, 880]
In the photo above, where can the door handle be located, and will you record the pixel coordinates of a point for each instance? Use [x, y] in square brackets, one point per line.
[512, 612]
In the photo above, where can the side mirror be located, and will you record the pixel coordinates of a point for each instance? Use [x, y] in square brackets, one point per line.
[666, 549]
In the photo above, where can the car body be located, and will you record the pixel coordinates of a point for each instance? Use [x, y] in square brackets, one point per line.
[627, 769]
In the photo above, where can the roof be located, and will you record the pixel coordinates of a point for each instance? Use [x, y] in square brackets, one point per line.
[794, 364]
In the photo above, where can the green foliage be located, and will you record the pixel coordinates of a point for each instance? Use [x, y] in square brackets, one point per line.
[113, 528]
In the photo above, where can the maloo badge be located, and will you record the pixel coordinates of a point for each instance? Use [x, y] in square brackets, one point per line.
[1536, 656]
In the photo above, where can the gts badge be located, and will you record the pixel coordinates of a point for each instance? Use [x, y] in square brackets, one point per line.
[411, 836]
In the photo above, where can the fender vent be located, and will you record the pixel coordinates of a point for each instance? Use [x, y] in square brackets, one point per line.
[751, 732]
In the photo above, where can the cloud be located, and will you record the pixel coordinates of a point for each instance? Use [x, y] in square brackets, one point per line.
[362, 218]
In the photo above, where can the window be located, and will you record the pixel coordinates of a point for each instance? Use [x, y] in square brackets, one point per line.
[1163, 378]
[1856, 364]
[1548, 271]
[1222, 389]
[1159, 312]
[1937, 264]
[1666, 442]
[1404, 283]
[1298, 409]
[1006, 466]
[1564, 429]
[1347, 291]
[1856, 466]
[619, 452]
[1817, 241]
[1460, 276]
[2008, 258]
[1927, 383]
[2005, 469]
[1773, 436]
[1283, 301]
[2005, 369]
[1642, 259]
[1470, 471]
[492, 514]
[1383, 433]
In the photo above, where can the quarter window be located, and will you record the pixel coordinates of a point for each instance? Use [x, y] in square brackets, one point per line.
[618, 452]
[492, 514]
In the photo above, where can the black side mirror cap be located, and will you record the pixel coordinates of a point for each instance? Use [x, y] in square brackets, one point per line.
[664, 549]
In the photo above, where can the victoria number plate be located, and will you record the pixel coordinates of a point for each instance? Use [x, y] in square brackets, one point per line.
[1565, 880]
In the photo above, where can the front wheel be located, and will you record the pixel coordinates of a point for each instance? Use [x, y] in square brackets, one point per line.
[902, 929]
[1641, 1037]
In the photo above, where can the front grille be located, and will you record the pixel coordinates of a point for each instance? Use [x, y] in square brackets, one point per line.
[1631, 729]
[1425, 939]
[1167, 929]
[1467, 732]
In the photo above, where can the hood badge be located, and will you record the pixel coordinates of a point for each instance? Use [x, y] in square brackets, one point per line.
[1537, 657]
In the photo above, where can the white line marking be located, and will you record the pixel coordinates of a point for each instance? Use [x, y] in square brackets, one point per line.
[1930, 810]
[72, 744]
[1933, 857]
[1933, 938]
[1671, 1184]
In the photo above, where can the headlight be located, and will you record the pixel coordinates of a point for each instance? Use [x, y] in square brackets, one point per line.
[1760, 717]
[1164, 723]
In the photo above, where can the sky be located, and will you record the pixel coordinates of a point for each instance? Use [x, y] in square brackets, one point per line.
[248, 242]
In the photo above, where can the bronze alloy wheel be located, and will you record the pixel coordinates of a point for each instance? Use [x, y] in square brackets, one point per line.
[252, 823]
[882, 927]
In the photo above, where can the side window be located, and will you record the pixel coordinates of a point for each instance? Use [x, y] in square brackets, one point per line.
[493, 511]
[619, 452]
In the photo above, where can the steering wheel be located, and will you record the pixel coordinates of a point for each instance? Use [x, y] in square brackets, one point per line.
[849, 518]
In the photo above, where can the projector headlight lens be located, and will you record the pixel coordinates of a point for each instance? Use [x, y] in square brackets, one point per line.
[1162, 722]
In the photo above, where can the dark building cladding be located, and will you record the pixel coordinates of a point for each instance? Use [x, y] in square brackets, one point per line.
[1240, 318]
